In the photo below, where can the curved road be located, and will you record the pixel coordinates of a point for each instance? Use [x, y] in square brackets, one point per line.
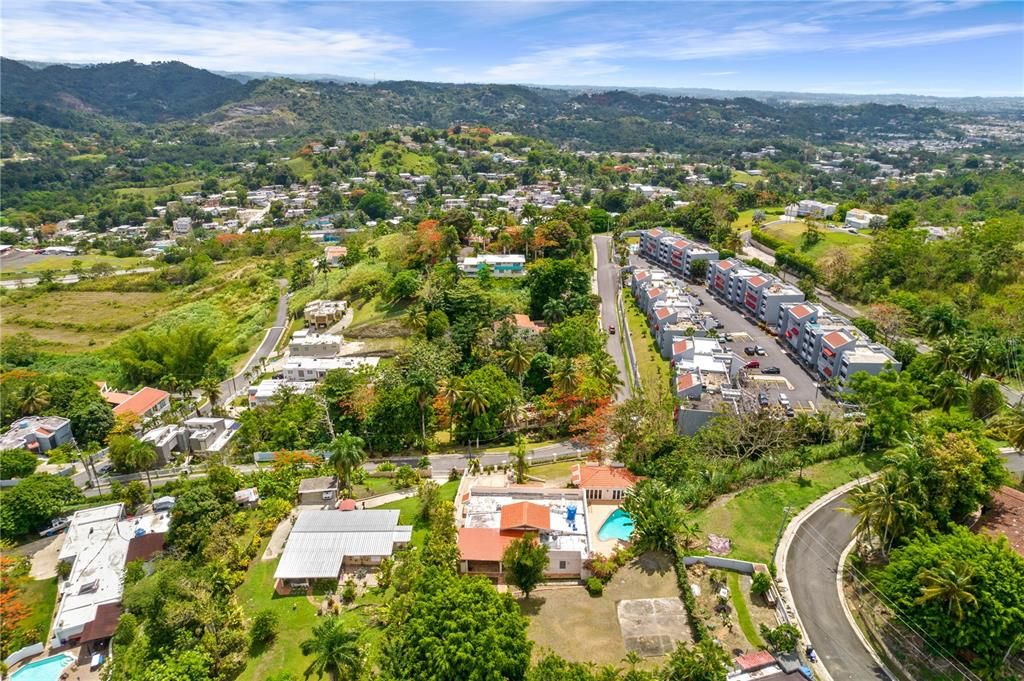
[811, 566]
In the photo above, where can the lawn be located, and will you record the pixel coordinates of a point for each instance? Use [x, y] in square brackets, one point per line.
[753, 517]
[374, 311]
[296, 617]
[739, 601]
[790, 232]
[746, 178]
[745, 220]
[372, 487]
[530, 446]
[409, 161]
[152, 193]
[40, 598]
[554, 471]
[77, 321]
[302, 166]
[654, 371]
[63, 263]
[408, 510]
[581, 628]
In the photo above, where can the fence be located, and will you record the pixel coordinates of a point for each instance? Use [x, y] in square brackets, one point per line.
[19, 655]
[628, 342]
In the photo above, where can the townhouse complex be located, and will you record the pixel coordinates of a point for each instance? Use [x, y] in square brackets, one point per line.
[672, 251]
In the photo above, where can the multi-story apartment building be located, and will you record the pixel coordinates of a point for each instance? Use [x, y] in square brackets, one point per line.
[748, 289]
[672, 251]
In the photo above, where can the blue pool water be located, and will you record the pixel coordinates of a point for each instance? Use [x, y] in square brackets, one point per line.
[47, 669]
[618, 526]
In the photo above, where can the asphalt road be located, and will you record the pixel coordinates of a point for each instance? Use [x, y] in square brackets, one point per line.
[608, 286]
[239, 383]
[442, 464]
[811, 565]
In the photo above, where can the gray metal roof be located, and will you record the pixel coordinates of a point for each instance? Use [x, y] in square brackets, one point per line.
[374, 520]
[403, 533]
[311, 556]
[317, 484]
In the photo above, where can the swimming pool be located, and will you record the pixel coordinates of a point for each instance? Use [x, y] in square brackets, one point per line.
[618, 526]
[47, 669]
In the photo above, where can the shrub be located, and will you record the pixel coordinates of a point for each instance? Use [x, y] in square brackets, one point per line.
[761, 584]
[348, 593]
[783, 638]
[405, 477]
[595, 587]
[264, 627]
[700, 632]
[602, 567]
[385, 467]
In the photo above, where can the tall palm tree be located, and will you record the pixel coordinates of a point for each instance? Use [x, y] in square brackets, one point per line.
[210, 388]
[475, 402]
[335, 650]
[517, 360]
[949, 584]
[33, 398]
[426, 388]
[946, 353]
[884, 509]
[1015, 431]
[563, 375]
[139, 456]
[975, 356]
[450, 391]
[947, 390]
[603, 368]
[322, 267]
[346, 454]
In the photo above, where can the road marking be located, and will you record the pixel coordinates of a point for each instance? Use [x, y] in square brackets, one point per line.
[773, 379]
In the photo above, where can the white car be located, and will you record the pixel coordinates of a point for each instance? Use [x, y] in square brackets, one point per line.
[784, 399]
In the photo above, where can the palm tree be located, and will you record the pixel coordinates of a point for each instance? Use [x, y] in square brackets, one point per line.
[335, 650]
[33, 398]
[475, 402]
[519, 457]
[416, 319]
[563, 375]
[947, 390]
[451, 392]
[554, 311]
[517, 360]
[975, 356]
[513, 414]
[949, 584]
[604, 369]
[946, 353]
[426, 388]
[321, 266]
[210, 388]
[347, 454]
[139, 456]
[884, 509]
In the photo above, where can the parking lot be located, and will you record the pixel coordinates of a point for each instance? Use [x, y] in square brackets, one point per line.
[794, 380]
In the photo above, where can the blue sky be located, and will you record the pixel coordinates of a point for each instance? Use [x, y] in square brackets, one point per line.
[938, 48]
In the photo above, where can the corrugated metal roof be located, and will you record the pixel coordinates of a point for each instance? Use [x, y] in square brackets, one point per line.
[369, 543]
[375, 520]
[311, 556]
[403, 533]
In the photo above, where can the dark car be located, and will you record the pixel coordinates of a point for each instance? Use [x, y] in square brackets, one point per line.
[748, 350]
[771, 370]
[611, 329]
[752, 365]
[789, 412]
[762, 399]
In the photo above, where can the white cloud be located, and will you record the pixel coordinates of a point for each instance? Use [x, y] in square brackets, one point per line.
[559, 65]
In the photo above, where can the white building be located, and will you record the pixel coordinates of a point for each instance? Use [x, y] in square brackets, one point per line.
[305, 344]
[266, 391]
[182, 225]
[815, 209]
[857, 218]
[508, 265]
[315, 368]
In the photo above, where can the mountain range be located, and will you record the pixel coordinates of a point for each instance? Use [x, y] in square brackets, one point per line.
[251, 106]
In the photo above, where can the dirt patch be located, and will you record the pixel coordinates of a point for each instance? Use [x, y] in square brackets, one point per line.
[44, 561]
[652, 627]
[716, 609]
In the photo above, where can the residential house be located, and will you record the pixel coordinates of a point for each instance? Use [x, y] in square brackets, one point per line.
[315, 368]
[857, 218]
[320, 314]
[266, 391]
[808, 207]
[493, 517]
[305, 344]
[323, 544]
[37, 434]
[145, 403]
[318, 491]
[335, 255]
[501, 265]
[182, 225]
[524, 324]
[603, 483]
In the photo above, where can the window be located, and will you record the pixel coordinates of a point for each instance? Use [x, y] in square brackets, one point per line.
[561, 565]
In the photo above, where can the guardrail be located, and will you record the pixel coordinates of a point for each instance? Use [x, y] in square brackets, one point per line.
[629, 344]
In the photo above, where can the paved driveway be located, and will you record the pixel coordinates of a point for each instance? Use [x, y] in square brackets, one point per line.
[608, 286]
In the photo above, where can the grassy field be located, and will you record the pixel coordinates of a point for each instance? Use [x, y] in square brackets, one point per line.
[88, 157]
[408, 509]
[302, 166]
[375, 311]
[743, 610]
[745, 220]
[63, 264]
[747, 178]
[554, 471]
[791, 232]
[40, 599]
[752, 518]
[77, 321]
[410, 161]
[152, 193]
[654, 371]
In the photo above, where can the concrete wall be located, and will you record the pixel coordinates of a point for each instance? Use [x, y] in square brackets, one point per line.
[721, 563]
[26, 652]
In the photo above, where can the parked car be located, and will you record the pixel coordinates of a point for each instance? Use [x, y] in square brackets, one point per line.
[771, 370]
[762, 399]
[760, 350]
[784, 399]
[789, 411]
[752, 365]
[611, 329]
[748, 350]
[727, 337]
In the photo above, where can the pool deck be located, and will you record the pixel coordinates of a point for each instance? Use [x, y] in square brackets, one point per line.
[598, 514]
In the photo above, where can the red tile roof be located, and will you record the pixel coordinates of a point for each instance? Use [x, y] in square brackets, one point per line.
[681, 243]
[145, 546]
[602, 477]
[103, 625]
[680, 346]
[837, 338]
[800, 311]
[654, 292]
[525, 516]
[654, 232]
[116, 398]
[142, 401]
[684, 381]
[663, 312]
[757, 281]
[726, 265]
[756, 660]
[1005, 517]
[484, 543]
[524, 322]
[347, 505]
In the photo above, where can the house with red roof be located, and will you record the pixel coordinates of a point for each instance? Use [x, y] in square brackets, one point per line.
[524, 324]
[603, 483]
[145, 403]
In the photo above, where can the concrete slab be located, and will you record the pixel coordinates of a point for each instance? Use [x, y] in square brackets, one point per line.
[652, 627]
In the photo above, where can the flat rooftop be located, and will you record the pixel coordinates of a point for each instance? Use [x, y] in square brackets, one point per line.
[483, 510]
